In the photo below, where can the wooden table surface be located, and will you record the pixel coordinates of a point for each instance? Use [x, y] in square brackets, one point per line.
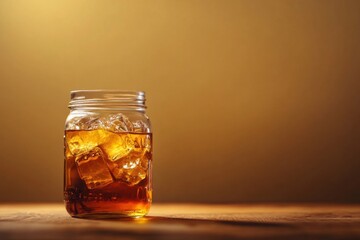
[187, 221]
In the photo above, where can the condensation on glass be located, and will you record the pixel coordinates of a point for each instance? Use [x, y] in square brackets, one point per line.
[108, 155]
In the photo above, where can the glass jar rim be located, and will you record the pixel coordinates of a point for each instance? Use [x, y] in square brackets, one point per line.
[107, 99]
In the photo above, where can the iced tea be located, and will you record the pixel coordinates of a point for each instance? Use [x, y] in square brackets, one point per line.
[107, 173]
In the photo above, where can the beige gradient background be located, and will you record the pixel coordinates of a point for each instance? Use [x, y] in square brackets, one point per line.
[249, 100]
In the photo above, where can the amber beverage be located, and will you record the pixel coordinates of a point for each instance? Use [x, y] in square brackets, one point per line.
[108, 161]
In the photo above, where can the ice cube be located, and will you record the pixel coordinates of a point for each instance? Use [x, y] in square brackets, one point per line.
[83, 123]
[129, 172]
[142, 143]
[73, 124]
[80, 142]
[113, 122]
[116, 123]
[140, 127]
[117, 146]
[93, 169]
[130, 169]
[129, 161]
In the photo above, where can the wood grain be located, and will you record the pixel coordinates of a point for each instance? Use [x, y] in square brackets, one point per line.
[187, 221]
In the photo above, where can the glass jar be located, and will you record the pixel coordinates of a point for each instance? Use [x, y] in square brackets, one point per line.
[108, 155]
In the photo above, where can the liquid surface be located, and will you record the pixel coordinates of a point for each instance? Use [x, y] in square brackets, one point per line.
[107, 173]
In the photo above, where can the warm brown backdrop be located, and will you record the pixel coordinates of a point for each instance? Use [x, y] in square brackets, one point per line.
[250, 100]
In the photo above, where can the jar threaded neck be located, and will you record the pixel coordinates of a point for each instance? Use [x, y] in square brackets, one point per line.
[108, 99]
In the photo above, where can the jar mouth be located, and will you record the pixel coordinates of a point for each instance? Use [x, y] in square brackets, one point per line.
[107, 99]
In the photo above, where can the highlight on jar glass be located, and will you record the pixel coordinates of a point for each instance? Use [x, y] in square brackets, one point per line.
[108, 155]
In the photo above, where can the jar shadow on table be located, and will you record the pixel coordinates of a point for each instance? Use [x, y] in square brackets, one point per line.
[193, 220]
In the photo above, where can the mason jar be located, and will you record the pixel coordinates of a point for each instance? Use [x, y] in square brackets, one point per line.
[108, 155]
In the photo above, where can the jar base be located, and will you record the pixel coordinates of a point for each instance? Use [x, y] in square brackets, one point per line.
[106, 215]
[107, 209]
